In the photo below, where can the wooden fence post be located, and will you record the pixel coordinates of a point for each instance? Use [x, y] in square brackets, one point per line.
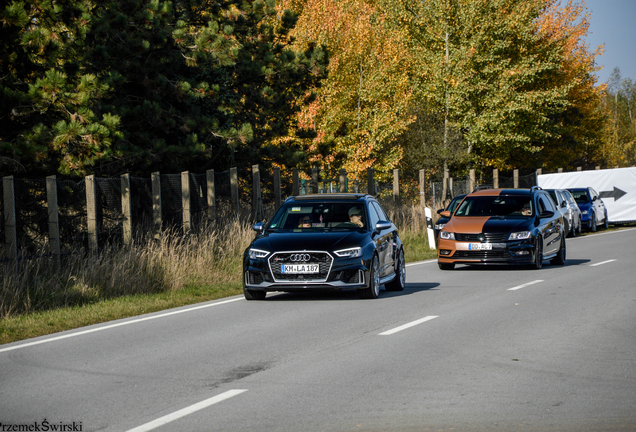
[560, 170]
[314, 180]
[370, 182]
[473, 181]
[155, 179]
[445, 187]
[10, 225]
[537, 173]
[126, 208]
[295, 182]
[211, 198]
[579, 168]
[515, 178]
[277, 188]
[257, 200]
[91, 213]
[495, 178]
[185, 201]
[423, 188]
[54, 220]
[343, 181]
[235, 189]
[396, 186]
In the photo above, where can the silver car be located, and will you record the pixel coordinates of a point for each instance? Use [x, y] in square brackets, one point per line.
[567, 206]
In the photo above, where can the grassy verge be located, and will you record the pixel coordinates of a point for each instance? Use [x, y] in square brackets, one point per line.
[52, 321]
[148, 277]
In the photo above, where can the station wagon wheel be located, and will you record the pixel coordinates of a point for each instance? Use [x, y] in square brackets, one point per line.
[254, 294]
[593, 226]
[399, 282]
[373, 291]
[580, 226]
[606, 225]
[538, 254]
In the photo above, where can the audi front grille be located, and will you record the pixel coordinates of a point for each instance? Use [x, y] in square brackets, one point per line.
[323, 259]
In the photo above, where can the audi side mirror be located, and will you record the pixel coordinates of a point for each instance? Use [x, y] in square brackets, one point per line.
[382, 225]
[258, 227]
[445, 213]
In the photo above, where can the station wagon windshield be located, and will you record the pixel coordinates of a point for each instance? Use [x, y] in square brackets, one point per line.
[507, 205]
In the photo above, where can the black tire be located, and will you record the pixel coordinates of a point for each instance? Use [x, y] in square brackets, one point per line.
[373, 291]
[560, 258]
[593, 224]
[572, 232]
[445, 266]
[399, 282]
[606, 224]
[254, 294]
[580, 226]
[538, 254]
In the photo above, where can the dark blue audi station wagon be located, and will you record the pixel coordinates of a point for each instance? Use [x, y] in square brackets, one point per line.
[325, 242]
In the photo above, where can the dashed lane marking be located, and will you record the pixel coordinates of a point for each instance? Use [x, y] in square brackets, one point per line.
[405, 326]
[187, 411]
[518, 287]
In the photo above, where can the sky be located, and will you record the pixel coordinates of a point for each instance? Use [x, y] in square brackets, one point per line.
[613, 23]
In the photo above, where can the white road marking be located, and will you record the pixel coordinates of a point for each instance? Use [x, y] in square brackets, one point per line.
[107, 327]
[186, 411]
[602, 262]
[524, 285]
[405, 326]
[420, 262]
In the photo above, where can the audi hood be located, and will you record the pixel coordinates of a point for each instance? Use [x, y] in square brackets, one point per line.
[319, 240]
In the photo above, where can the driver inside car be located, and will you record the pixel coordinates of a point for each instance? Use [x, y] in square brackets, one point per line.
[355, 216]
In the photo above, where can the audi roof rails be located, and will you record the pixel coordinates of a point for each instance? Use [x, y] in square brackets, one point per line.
[536, 188]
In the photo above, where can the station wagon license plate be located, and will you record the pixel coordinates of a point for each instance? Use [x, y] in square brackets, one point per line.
[300, 268]
[480, 246]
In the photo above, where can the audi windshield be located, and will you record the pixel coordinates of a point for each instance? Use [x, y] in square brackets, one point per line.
[299, 217]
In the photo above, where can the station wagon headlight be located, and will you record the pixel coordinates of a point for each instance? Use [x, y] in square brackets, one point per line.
[349, 253]
[447, 235]
[439, 227]
[523, 235]
[257, 254]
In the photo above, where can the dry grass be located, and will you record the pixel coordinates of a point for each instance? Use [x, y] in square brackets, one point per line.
[152, 266]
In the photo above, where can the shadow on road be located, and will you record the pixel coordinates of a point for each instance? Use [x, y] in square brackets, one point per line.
[411, 288]
[517, 267]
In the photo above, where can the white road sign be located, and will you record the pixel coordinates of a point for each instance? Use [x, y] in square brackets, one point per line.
[617, 188]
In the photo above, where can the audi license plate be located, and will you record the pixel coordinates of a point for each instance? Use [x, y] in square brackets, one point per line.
[300, 268]
[480, 246]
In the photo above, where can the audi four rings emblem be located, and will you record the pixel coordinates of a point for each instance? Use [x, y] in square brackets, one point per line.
[300, 257]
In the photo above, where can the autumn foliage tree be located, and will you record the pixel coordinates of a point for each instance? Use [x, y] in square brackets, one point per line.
[362, 106]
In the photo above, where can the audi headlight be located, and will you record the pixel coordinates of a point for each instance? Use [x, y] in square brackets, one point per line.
[349, 253]
[523, 235]
[446, 235]
[257, 254]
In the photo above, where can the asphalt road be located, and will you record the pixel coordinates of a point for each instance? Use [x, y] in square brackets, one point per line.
[474, 349]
